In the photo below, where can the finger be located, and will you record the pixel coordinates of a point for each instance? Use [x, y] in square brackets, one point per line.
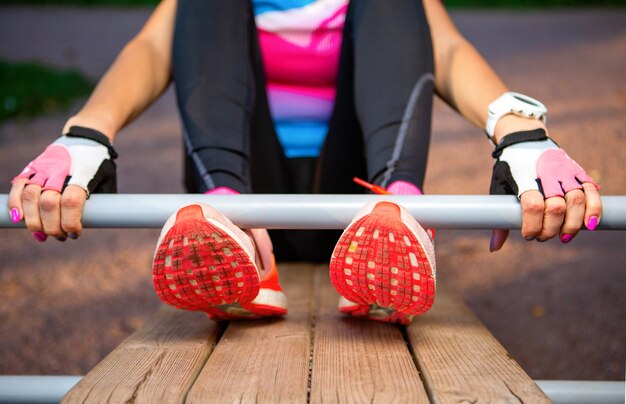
[593, 206]
[30, 206]
[554, 214]
[72, 203]
[498, 237]
[574, 215]
[14, 202]
[533, 206]
[50, 213]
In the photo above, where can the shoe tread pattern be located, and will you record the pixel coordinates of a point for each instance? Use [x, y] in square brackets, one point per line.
[198, 266]
[378, 261]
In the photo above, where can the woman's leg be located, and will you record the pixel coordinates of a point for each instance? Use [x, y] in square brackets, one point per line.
[203, 261]
[385, 92]
[383, 265]
[228, 130]
[221, 97]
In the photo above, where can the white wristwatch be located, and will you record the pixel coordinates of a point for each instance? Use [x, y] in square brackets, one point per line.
[514, 103]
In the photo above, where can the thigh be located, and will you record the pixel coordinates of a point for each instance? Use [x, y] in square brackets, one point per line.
[385, 90]
[220, 89]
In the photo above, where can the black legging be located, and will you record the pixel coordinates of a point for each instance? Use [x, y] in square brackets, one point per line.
[379, 130]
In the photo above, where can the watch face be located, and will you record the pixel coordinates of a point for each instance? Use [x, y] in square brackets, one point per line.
[526, 100]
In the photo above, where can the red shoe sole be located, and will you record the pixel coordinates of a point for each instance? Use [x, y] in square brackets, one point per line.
[379, 261]
[363, 311]
[199, 266]
[245, 312]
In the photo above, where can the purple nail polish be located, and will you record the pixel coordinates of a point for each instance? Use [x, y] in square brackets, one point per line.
[529, 238]
[40, 236]
[493, 237]
[566, 238]
[592, 223]
[73, 236]
[15, 215]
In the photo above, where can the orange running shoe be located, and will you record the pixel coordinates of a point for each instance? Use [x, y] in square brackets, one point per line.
[383, 265]
[204, 262]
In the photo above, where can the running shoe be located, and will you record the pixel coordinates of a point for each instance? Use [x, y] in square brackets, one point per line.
[383, 265]
[204, 262]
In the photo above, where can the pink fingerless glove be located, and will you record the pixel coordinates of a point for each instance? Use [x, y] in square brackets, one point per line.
[530, 160]
[82, 157]
[560, 174]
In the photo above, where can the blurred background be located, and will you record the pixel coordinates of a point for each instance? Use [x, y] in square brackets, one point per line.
[560, 310]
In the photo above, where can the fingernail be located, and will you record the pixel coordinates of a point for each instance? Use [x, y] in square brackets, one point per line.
[493, 239]
[541, 240]
[40, 236]
[73, 236]
[15, 215]
[529, 238]
[592, 223]
[566, 238]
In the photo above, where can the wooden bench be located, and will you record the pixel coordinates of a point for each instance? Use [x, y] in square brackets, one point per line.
[313, 355]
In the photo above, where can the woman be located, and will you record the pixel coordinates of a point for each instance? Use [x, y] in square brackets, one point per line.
[302, 96]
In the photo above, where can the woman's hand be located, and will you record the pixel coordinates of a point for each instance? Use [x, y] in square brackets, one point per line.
[556, 194]
[49, 194]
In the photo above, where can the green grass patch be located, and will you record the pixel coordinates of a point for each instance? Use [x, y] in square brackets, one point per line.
[28, 90]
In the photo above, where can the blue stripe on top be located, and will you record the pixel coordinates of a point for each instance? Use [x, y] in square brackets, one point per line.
[263, 6]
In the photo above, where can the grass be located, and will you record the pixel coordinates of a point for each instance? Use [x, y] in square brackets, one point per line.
[29, 90]
[449, 3]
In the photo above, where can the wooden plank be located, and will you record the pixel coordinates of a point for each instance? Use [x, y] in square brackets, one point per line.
[158, 363]
[462, 362]
[357, 360]
[263, 360]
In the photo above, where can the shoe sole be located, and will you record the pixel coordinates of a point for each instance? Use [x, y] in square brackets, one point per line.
[268, 303]
[380, 263]
[199, 266]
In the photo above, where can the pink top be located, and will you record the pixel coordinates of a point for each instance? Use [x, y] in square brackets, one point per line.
[300, 45]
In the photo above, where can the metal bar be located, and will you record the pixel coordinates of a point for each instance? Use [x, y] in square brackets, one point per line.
[583, 392]
[35, 389]
[280, 211]
[50, 389]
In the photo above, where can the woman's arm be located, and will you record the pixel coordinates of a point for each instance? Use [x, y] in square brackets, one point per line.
[463, 79]
[468, 84]
[140, 73]
[138, 76]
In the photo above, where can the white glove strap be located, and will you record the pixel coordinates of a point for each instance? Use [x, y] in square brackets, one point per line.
[522, 159]
[87, 157]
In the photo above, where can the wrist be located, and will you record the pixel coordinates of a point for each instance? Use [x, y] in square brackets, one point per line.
[98, 123]
[512, 123]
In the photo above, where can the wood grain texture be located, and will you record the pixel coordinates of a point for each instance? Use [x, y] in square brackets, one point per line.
[314, 355]
[356, 361]
[263, 360]
[462, 362]
[158, 363]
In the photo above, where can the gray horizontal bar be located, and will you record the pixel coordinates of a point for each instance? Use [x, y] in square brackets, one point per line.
[50, 389]
[35, 389]
[582, 391]
[281, 211]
